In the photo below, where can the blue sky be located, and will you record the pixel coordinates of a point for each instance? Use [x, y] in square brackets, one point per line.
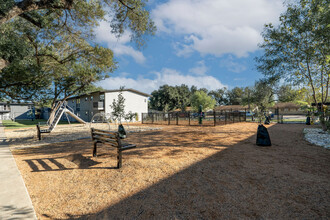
[206, 43]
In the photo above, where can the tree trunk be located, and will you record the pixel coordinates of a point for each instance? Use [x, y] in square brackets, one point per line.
[3, 63]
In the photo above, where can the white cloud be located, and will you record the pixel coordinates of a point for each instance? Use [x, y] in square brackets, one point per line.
[216, 27]
[231, 65]
[118, 45]
[199, 69]
[165, 76]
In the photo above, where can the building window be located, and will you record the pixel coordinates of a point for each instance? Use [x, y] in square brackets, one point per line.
[78, 101]
[145, 100]
[101, 97]
[91, 98]
[86, 113]
[86, 99]
[72, 100]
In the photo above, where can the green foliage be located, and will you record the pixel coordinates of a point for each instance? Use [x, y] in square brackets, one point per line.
[297, 49]
[49, 52]
[235, 96]
[130, 116]
[168, 98]
[201, 98]
[247, 98]
[263, 95]
[220, 96]
[118, 107]
[287, 94]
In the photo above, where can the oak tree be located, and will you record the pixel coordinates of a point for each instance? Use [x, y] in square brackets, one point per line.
[298, 48]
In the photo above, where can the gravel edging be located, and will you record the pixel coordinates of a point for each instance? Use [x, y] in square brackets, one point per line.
[318, 137]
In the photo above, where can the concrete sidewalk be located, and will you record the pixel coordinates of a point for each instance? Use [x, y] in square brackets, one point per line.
[15, 202]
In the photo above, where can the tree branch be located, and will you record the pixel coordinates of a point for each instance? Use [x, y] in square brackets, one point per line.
[30, 5]
[31, 20]
[123, 3]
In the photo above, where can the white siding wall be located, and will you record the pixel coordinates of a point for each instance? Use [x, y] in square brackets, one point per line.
[4, 116]
[133, 102]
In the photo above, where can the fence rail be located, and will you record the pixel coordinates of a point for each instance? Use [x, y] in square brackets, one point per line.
[192, 118]
[221, 117]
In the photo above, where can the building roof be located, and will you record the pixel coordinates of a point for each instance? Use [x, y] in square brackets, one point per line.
[286, 105]
[230, 107]
[114, 90]
[129, 90]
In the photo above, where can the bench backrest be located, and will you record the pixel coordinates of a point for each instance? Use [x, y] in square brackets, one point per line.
[107, 137]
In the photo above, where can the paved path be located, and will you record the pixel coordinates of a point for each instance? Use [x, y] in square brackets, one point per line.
[15, 202]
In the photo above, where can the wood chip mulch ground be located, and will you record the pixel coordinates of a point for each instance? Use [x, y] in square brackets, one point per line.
[182, 173]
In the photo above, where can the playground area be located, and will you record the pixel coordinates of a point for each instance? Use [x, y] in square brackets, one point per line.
[177, 172]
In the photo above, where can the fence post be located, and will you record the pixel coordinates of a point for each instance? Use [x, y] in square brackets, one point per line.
[142, 117]
[225, 117]
[169, 118]
[152, 118]
[278, 115]
[232, 113]
[215, 118]
[245, 115]
[177, 118]
[189, 117]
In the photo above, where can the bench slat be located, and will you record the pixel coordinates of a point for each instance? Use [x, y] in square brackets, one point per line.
[107, 142]
[104, 139]
[103, 131]
[127, 147]
[110, 135]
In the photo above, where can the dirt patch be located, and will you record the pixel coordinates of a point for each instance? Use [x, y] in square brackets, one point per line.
[182, 173]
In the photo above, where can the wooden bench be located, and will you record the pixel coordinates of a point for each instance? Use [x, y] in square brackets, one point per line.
[40, 131]
[111, 138]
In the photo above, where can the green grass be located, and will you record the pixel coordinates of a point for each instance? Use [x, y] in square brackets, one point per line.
[294, 120]
[26, 123]
[275, 120]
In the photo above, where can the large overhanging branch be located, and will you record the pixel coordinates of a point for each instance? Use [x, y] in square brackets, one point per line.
[31, 19]
[31, 5]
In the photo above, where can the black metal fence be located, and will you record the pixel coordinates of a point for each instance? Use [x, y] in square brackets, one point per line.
[192, 118]
[224, 117]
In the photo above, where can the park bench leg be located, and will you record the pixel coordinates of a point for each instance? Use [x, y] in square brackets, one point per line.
[39, 133]
[94, 149]
[119, 158]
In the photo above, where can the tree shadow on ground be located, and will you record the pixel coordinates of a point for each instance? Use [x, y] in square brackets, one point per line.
[14, 213]
[80, 161]
[285, 181]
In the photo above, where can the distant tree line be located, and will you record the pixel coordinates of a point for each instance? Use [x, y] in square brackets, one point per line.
[263, 94]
